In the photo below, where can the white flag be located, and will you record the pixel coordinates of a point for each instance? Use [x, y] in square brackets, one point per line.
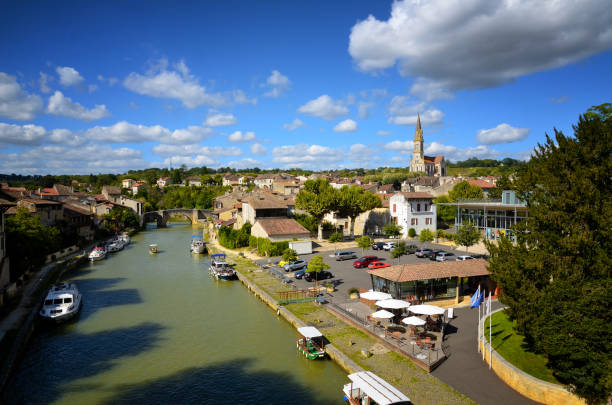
[489, 304]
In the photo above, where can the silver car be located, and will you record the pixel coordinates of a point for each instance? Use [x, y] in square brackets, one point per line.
[461, 258]
[345, 256]
[444, 256]
[296, 265]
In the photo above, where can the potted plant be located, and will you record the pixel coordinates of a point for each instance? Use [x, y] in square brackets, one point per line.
[353, 293]
[330, 287]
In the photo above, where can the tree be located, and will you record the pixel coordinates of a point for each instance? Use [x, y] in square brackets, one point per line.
[365, 242]
[352, 201]
[317, 265]
[444, 213]
[503, 183]
[412, 232]
[464, 190]
[399, 250]
[467, 235]
[334, 238]
[317, 198]
[391, 229]
[289, 255]
[556, 278]
[426, 235]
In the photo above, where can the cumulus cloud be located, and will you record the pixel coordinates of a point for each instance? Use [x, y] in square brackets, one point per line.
[188, 150]
[346, 126]
[403, 112]
[400, 146]
[454, 153]
[362, 153]
[69, 76]
[64, 106]
[43, 82]
[245, 163]
[21, 134]
[297, 123]
[503, 133]
[308, 156]
[160, 82]
[258, 149]
[239, 136]
[191, 161]
[123, 131]
[217, 119]
[278, 84]
[66, 137]
[111, 81]
[190, 134]
[363, 107]
[241, 98]
[499, 40]
[15, 103]
[324, 107]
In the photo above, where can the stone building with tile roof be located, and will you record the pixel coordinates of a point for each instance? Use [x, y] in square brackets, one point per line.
[279, 229]
[430, 165]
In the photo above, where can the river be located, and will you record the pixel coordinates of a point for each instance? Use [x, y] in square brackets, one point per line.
[158, 329]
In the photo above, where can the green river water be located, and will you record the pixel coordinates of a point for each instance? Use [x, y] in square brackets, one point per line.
[158, 329]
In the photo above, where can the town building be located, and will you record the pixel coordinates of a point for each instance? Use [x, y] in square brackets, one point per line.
[257, 207]
[127, 183]
[163, 182]
[430, 165]
[194, 181]
[5, 275]
[49, 211]
[413, 210]
[231, 180]
[279, 229]
[483, 184]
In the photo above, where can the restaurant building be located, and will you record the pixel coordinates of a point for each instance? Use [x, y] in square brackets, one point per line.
[433, 280]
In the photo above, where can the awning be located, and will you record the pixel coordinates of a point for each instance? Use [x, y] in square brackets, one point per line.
[426, 310]
[382, 314]
[377, 389]
[375, 295]
[309, 332]
[392, 304]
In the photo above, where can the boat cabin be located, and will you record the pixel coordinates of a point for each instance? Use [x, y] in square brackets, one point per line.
[366, 388]
[311, 344]
[153, 248]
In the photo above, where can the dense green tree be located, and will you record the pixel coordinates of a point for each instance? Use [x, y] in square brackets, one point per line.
[399, 250]
[556, 278]
[445, 213]
[352, 201]
[317, 265]
[317, 198]
[503, 183]
[289, 255]
[392, 229]
[412, 232]
[364, 242]
[426, 235]
[467, 235]
[464, 190]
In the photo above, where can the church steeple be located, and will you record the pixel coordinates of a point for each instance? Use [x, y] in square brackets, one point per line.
[418, 132]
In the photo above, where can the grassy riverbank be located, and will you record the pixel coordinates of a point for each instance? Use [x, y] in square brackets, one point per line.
[420, 386]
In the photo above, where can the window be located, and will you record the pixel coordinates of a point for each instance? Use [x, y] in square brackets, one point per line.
[393, 207]
[416, 221]
[418, 207]
[425, 207]
[412, 221]
[346, 225]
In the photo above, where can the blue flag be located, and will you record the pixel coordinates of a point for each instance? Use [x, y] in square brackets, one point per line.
[475, 300]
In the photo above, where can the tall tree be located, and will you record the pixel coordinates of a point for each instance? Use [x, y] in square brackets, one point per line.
[467, 235]
[353, 201]
[556, 279]
[465, 190]
[399, 250]
[317, 198]
[365, 242]
[391, 229]
[316, 265]
[502, 184]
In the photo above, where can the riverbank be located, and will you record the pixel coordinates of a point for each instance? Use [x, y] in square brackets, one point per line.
[420, 386]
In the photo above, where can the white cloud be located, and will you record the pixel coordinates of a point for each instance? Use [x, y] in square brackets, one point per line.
[453, 153]
[428, 90]
[68, 76]
[400, 146]
[191, 161]
[21, 134]
[238, 136]
[361, 153]
[188, 135]
[324, 107]
[384, 133]
[428, 117]
[64, 106]
[278, 84]
[110, 80]
[125, 132]
[258, 149]
[241, 98]
[499, 40]
[66, 137]
[503, 133]
[217, 119]
[297, 123]
[15, 103]
[402, 112]
[245, 163]
[363, 107]
[346, 126]
[160, 82]
[194, 149]
[92, 87]
[43, 81]
[307, 156]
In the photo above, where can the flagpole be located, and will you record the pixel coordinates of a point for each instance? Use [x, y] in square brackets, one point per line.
[490, 341]
[483, 331]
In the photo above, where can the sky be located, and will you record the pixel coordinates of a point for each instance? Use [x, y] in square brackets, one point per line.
[105, 87]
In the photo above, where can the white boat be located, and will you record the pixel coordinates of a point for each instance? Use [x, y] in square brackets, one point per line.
[99, 253]
[367, 388]
[197, 245]
[63, 302]
[220, 268]
[125, 238]
[115, 246]
[153, 249]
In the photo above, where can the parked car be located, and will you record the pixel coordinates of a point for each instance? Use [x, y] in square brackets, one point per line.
[282, 263]
[434, 254]
[299, 274]
[322, 275]
[389, 245]
[411, 249]
[378, 265]
[378, 245]
[461, 258]
[296, 265]
[364, 261]
[444, 256]
[422, 252]
[345, 255]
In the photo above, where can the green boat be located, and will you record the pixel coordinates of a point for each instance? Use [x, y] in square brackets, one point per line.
[311, 345]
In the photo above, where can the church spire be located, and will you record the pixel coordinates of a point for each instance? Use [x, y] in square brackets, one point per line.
[418, 132]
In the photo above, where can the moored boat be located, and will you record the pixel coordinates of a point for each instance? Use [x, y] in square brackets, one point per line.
[220, 268]
[62, 302]
[125, 238]
[311, 344]
[153, 249]
[98, 253]
[367, 388]
[197, 245]
[115, 246]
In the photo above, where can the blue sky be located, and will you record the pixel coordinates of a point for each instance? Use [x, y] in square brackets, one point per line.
[89, 87]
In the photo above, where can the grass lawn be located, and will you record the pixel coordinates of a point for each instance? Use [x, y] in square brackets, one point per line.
[510, 346]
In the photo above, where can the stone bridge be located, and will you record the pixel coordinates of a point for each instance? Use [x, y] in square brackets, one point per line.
[162, 216]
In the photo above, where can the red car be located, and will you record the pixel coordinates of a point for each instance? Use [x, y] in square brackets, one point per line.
[364, 261]
[378, 265]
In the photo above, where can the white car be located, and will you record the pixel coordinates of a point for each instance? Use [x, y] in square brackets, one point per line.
[461, 258]
[389, 245]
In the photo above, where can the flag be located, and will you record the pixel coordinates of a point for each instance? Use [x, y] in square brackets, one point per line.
[475, 300]
[482, 297]
[489, 304]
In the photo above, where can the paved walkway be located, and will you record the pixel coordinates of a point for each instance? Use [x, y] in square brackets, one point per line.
[465, 370]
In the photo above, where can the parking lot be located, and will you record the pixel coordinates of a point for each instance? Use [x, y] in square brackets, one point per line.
[346, 276]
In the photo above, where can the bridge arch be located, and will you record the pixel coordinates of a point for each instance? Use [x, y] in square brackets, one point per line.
[161, 217]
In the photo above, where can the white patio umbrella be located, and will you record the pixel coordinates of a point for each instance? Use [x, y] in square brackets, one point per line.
[413, 320]
[392, 304]
[426, 310]
[382, 314]
[375, 295]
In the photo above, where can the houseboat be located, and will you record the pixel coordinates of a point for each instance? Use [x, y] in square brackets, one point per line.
[153, 249]
[367, 388]
[197, 245]
[311, 344]
[98, 253]
[220, 268]
[63, 301]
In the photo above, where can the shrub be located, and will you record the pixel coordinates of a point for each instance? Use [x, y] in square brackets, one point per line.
[335, 237]
[353, 290]
[426, 235]
[412, 232]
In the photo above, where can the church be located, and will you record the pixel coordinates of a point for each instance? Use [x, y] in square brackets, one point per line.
[430, 165]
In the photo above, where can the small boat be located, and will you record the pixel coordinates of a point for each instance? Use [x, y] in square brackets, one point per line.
[63, 302]
[99, 253]
[115, 246]
[367, 388]
[153, 249]
[125, 238]
[197, 245]
[220, 268]
[311, 344]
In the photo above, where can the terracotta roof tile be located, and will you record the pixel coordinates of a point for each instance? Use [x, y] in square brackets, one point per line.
[416, 194]
[282, 226]
[481, 183]
[432, 270]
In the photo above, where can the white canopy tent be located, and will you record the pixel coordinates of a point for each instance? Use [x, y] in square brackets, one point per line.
[375, 295]
[367, 384]
[413, 320]
[382, 314]
[392, 304]
[309, 332]
[426, 310]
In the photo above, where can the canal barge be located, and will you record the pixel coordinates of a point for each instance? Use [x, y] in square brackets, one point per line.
[367, 388]
[98, 253]
[115, 245]
[311, 345]
[197, 245]
[220, 268]
[63, 302]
